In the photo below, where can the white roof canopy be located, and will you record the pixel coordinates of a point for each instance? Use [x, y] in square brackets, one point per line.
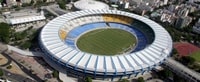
[90, 5]
[20, 20]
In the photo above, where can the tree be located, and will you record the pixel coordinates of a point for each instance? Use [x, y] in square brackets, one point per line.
[140, 79]
[88, 79]
[187, 60]
[167, 73]
[1, 1]
[44, 1]
[1, 72]
[61, 4]
[32, 2]
[4, 32]
[174, 51]
[55, 74]
[26, 45]
[9, 67]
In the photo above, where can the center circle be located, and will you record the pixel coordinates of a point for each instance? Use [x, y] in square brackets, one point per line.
[107, 41]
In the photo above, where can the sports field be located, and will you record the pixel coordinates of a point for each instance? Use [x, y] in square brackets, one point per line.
[196, 55]
[106, 42]
[185, 49]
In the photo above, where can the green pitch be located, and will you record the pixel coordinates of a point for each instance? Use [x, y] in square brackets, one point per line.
[106, 42]
[196, 56]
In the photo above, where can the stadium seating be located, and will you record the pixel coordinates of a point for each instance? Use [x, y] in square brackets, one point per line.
[62, 34]
[145, 30]
[108, 18]
[77, 31]
[77, 26]
[117, 18]
[70, 43]
[74, 33]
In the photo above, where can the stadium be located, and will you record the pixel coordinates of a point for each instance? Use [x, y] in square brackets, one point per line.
[105, 44]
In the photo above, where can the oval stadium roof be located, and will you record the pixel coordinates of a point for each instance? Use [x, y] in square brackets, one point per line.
[152, 55]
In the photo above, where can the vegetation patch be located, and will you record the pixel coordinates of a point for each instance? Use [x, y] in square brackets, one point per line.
[4, 32]
[196, 56]
[9, 67]
[1, 72]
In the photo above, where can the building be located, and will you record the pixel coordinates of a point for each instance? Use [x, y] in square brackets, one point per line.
[196, 27]
[191, 1]
[90, 5]
[11, 3]
[29, 1]
[26, 1]
[126, 4]
[183, 12]
[165, 2]
[57, 41]
[143, 8]
[23, 17]
[182, 22]
[166, 17]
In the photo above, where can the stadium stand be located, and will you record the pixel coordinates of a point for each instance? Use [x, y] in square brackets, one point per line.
[145, 30]
[81, 29]
[62, 34]
[74, 33]
[117, 18]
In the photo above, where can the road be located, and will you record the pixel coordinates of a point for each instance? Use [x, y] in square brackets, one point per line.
[51, 11]
[7, 63]
[24, 69]
[16, 77]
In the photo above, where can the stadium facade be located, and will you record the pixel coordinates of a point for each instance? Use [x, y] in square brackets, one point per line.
[58, 42]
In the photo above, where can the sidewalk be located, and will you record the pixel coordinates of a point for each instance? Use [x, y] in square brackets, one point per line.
[27, 53]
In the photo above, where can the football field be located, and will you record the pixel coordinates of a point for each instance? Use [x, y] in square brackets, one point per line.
[106, 42]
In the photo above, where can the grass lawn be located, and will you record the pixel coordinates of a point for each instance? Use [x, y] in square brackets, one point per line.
[106, 41]
[196, 56]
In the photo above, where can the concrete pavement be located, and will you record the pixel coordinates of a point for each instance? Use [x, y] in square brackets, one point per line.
[27, 53]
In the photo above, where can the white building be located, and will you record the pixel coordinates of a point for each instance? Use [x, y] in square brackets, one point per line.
[90, 5]
[166, 18]
[126, 5]
[10, 3]
[196, 28]
[24, 17]
[165, 2]
[26, 1]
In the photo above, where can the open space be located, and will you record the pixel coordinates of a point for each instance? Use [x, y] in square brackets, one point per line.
[106, 42]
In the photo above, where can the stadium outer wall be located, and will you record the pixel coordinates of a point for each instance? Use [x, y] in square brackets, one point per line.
[82, 73]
